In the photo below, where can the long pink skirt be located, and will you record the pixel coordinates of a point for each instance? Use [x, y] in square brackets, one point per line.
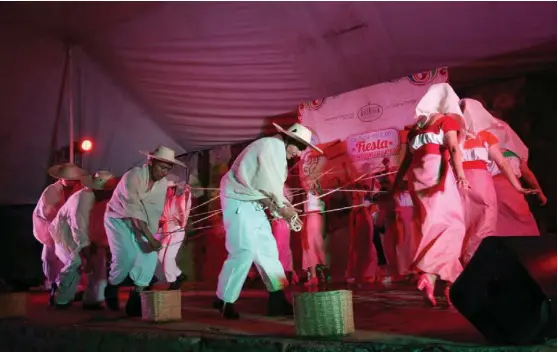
[363, 260]
[439, 217]
[313, 249]
[407, 240]
[481, 210]
[514, 216]
[282, 233]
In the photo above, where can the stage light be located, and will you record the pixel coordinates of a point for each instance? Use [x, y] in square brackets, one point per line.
[86, 145]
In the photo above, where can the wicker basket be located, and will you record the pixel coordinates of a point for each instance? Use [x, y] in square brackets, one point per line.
[13, 304]
[161, 306]
[327, 313]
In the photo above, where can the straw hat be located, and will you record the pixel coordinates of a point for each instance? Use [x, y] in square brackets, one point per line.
[67, 171]
[164, 154]
[103, 180]
[300, 133]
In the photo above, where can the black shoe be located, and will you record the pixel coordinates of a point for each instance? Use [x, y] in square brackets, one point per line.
[51, 301]
[278, 305]
[92, 306]
[177, 283]
[133, 306]
[226, 309]
[111, 297]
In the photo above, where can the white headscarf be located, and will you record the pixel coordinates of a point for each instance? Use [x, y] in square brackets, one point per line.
[508, 139]
[440, 98]
[476, 117]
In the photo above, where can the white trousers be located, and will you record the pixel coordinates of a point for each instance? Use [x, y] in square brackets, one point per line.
[51, 265]
[167, 269]
[69, 277]
[249, 240]
[129, 255]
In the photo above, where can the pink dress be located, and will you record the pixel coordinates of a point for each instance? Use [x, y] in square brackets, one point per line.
[438, 208]
[514, 216]
[363, 260]
[408, 238]
[479, 202]
[313, 249]
[282, 233]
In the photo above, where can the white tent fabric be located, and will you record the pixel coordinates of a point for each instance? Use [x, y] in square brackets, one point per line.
[193, 75]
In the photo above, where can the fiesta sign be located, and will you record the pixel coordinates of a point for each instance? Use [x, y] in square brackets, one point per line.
[372, 145]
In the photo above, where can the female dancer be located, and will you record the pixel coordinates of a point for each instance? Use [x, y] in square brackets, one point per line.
[514, 216]
[479, 149]
[173, 223]
[313, 251]
[282, 233]
[362, 265]
[432, 146]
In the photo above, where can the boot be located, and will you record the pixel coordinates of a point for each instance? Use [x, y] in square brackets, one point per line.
[111, 297]
[177, 283]
[278, 305]
[133, 306]
[227, 310]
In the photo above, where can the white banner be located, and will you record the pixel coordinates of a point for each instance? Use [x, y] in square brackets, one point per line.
[359, 129]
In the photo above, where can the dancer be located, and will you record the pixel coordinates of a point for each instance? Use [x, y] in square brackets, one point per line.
[313, 250]
[432, 146]
[131, 220]
[480, 149]
[514, 216]
[70, 232]
[282, 233]
[256, 180]
[362, 264]
[51, 200]
[408, 238]
[173, 224]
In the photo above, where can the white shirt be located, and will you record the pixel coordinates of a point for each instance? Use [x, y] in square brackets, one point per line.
[70, 227]
[262, 166]
[49, 203]
[133, 199]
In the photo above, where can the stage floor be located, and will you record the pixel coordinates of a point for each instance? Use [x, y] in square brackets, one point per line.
[393, 318]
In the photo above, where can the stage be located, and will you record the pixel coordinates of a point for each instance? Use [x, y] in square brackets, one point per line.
[387, 318]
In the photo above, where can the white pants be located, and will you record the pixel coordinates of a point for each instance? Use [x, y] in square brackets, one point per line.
[129, 257]
[249, 239]
[51, 265]
[69, 277]
[167, 269]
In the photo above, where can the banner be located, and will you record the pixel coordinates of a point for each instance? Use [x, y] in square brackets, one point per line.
[360, 130]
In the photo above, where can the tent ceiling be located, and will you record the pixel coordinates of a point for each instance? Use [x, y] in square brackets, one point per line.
[210, 73]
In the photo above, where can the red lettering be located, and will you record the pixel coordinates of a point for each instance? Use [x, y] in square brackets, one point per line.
[363, 147]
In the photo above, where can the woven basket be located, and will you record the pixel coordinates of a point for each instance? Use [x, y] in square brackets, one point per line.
[13, 304]
[327, 313]
[161, 306]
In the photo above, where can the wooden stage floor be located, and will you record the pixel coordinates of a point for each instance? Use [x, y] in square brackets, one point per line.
[387, 318]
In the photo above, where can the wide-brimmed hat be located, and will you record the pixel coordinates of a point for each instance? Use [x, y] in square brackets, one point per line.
[103, 180]
[300, 133]
[164, 154]
[67, 171]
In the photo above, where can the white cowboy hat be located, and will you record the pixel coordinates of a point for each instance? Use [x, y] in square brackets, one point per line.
[103, 180]
[300, 133]
[164, 154]
[67, 171]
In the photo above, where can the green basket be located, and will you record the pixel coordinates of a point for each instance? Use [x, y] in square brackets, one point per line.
[327, 314]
